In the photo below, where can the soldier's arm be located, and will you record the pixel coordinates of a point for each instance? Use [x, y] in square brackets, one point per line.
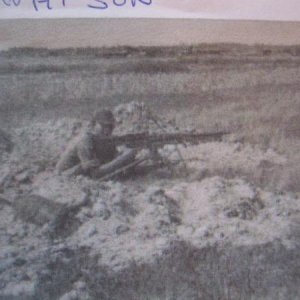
[86, 154]
[66, 160]
[124, 158]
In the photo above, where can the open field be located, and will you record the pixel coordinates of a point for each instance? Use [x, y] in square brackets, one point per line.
[222, 222]
[251, 91]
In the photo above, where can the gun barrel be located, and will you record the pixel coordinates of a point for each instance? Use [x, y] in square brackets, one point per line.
[145, 140]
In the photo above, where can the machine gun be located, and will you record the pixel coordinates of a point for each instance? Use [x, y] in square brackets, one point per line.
[152, 142]
[146, 140]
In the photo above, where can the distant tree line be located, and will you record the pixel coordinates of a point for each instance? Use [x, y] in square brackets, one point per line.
[155, 51]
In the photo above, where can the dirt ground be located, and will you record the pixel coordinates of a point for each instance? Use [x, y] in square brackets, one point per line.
[223, 224]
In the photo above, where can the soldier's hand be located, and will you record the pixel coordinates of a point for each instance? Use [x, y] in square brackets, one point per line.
[91, 164]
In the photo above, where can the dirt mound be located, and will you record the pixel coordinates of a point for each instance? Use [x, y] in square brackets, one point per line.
[135, 117]
[77, 238]
[125, 227]
[42, 143]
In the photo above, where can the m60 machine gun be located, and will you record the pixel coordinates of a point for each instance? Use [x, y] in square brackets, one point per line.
[153, 142]
[146, 140]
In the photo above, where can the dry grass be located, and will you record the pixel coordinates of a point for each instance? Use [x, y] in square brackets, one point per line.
[251, 91]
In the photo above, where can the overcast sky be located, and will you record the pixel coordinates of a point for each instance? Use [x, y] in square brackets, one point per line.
[285, 10]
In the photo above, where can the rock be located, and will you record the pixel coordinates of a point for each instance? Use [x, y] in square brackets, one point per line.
[122, 229]
[101, 211]
[64, 222]
[23, 177]
[105, 214]
[155, 195]
[173, 210]
[36, 209]
[158, 196]
[91, 230]
[233, 213]
[124, 208]
[246, 209]
[20, 262]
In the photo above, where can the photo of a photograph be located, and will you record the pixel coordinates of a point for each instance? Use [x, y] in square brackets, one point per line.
[145, 159]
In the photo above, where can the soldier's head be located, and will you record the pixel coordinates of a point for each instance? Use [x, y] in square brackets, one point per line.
[106, 120]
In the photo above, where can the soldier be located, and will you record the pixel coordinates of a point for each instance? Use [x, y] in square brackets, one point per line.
[87, 154]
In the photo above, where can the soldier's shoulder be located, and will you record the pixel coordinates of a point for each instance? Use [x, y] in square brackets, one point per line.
[84, 138]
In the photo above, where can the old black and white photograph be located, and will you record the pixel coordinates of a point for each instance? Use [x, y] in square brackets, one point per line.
[149, 159]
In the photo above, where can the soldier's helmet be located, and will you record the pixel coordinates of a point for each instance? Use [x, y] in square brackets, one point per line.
[104, 117]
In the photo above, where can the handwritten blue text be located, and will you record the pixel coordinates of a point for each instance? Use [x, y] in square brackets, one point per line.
[94, 4]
